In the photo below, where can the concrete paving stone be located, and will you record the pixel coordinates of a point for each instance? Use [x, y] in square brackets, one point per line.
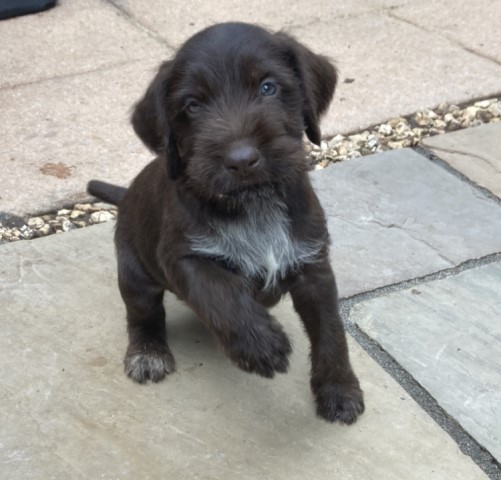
[474, 25]
[396, 215]
[69, 412]
[475, 152]
[391, 70]
[386, 4]
[447, 335]
[58, 134]
[181, 19]
[76, 36]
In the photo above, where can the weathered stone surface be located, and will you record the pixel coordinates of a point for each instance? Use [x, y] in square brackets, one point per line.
[181, 19]
[474, 25]
[447, 334]
[475, 152]
[396, 215]
[77, 36]
[386, 72]
[69, 412]
[59, 134]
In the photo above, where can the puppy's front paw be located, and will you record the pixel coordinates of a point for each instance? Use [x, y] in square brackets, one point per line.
[261, 349]
[152, 363]
[339, 402]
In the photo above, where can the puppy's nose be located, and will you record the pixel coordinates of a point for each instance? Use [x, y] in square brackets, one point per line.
[241, 158]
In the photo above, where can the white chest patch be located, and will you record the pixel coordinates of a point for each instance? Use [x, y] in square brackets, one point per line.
[258, 243]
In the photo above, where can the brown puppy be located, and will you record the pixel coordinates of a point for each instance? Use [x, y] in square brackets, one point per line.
[225, 216]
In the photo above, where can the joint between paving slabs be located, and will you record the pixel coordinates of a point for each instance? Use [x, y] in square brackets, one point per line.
[430, 155]
[439, 275]
[122, 11]
[390, 12]
[467, 444]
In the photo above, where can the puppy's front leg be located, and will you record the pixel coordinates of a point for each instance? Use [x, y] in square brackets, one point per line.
[251, 337]
[148, 356]
[335, 386]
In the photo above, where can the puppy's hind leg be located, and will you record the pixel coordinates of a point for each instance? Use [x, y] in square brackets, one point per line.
[148, 356]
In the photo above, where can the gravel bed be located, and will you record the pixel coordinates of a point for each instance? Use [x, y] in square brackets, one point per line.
[14, 228]
[405, 131]
[396, 133]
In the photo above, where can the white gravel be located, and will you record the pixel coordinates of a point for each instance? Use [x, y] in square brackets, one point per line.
[405, 131]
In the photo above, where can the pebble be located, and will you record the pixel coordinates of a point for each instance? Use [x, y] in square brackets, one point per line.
[67, 226]
[483, 103]
[495, 109]
[101, 217]
[423, 119]
[372, 141]
[76, 213]
[45, 230]
[401, 127]
[359, 139]
[335, 141]
[443, 108]
[385, 129]
[36, 222]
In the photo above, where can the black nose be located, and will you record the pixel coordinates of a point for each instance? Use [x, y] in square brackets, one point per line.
[241, 158]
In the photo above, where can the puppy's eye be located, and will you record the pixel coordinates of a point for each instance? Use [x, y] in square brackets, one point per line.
[268, 88]
[192, 106]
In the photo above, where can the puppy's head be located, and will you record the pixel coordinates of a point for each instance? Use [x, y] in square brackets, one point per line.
[229, 111]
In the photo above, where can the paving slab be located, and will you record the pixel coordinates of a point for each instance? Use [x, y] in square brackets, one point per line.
[181, 20]
[474, 25]
[386, 69]
[475, 152]
[58, 134]
[396, 215]
[69, 412]
[74, 37]
[447, 335]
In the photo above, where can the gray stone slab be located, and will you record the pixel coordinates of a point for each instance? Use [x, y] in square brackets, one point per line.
[76, 36]
[69, 412]
[182, 19]
[58, 134]
[391, 70]
[447, 334]
[397, 215]
[474, 25]
[475, 152]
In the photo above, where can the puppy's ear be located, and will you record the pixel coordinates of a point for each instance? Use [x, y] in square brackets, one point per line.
[150, 122]
[318, 78]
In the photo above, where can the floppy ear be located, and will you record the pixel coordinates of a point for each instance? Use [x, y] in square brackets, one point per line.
[318, 78]
[150, 123]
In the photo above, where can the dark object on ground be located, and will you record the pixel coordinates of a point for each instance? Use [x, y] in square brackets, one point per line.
[106, 191]
[226, 217]
[15, 8]
[9, 220]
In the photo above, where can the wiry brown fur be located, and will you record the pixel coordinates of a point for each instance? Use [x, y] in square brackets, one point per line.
[225, 118]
